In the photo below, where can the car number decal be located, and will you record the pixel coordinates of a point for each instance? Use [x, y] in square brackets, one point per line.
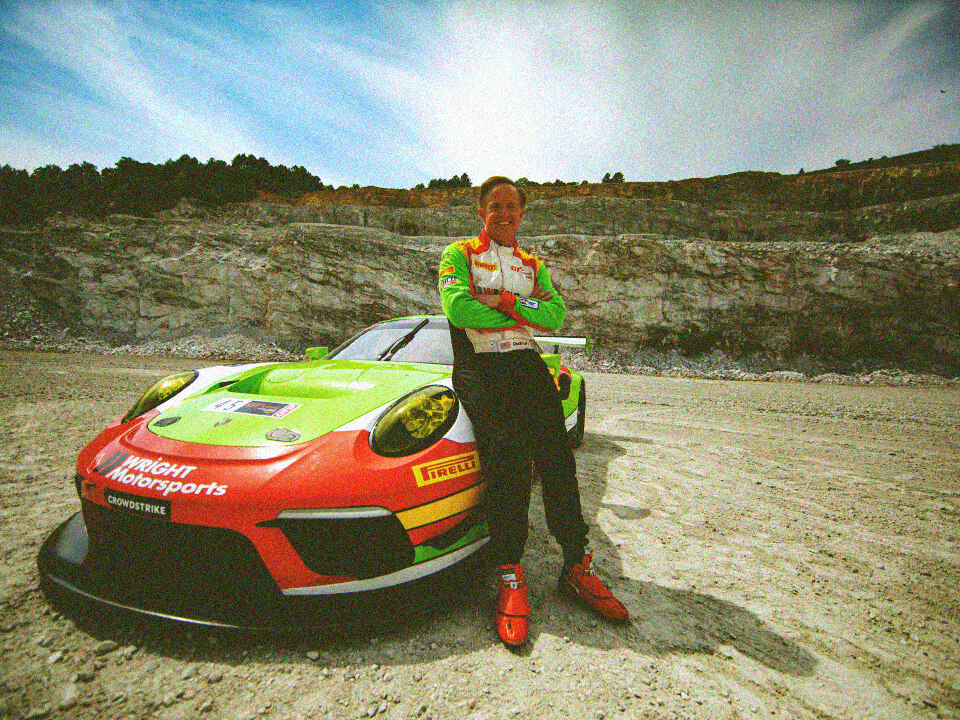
[247, 406]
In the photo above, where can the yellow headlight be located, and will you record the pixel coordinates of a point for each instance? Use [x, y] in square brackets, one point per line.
[159, 392]
[415, 422]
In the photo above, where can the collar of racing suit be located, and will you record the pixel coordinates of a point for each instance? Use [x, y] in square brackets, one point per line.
[486, 240]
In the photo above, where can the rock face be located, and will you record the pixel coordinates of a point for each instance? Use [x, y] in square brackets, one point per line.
[880, 282]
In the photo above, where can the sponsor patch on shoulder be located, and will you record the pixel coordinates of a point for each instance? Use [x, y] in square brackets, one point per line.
[448, 280]
[137, 505]
[529, 303]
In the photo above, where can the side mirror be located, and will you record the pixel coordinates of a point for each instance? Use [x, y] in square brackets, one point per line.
[317, 353]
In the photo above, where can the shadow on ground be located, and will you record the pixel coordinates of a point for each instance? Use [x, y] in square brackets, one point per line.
[453, 616]
[664, 620]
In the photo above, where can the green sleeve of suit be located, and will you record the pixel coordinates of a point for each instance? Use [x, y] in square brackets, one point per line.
[464, 311]
[544, 315]
[459, 305]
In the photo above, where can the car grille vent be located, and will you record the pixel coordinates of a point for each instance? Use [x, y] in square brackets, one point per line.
[360, 547]
[176, 568]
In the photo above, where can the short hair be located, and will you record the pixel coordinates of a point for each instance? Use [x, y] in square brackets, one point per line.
[491, 183]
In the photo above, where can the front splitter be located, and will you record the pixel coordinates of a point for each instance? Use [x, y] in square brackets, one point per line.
[69, 581]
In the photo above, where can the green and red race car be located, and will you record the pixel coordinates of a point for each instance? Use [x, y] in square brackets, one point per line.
[268, 494]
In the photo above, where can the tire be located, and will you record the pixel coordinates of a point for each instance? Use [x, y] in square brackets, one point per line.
[576, 433]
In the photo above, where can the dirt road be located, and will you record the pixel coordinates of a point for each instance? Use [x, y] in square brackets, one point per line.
[786, 550]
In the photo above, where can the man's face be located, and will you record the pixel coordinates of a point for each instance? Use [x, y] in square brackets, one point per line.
[501, 214]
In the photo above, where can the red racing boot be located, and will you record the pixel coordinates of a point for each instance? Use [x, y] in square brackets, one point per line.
[580, 582]
[513, 605]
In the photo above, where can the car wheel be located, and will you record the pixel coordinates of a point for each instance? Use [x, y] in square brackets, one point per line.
[576, 433]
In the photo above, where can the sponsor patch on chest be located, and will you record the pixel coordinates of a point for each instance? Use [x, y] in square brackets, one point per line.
[522, 270]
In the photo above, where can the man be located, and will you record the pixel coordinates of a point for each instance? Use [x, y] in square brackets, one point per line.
[495, 295]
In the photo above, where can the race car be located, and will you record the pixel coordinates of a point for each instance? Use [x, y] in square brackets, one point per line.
[267, 494]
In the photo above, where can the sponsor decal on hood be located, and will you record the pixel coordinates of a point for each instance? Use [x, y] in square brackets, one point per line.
[264, 408]
[446, 469]
[154, 474]
[136, 505]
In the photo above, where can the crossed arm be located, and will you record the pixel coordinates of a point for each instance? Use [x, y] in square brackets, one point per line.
[493, 300]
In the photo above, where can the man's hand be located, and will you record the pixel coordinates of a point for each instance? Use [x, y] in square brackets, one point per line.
[540, 293]
[492, 300]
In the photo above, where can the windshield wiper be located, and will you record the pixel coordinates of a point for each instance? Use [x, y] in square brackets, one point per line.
[401, 342]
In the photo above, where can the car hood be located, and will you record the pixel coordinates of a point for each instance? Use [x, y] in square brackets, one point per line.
[292, 403]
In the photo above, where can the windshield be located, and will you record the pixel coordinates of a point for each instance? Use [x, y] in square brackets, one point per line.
[430, 343]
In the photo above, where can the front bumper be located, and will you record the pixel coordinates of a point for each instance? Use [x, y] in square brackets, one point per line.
[213, 577]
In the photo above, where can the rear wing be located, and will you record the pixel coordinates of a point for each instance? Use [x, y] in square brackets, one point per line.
[552, 343]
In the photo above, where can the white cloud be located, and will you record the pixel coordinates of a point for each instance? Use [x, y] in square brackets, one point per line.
[546, 89]
[566, 89]
[148, 109]
[529, 91]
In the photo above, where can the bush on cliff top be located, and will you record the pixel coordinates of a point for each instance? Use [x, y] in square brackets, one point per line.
[136, 188]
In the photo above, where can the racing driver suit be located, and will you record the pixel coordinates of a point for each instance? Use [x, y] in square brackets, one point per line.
[508, 392]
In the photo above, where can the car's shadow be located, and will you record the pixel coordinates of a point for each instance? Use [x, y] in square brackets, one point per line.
[455, 616]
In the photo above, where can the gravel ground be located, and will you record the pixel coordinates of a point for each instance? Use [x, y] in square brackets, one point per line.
[786, 549]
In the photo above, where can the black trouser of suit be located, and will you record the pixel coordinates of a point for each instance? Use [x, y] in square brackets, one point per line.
[512, 402]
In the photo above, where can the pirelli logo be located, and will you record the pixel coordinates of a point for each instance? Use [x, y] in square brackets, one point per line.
[446, 469]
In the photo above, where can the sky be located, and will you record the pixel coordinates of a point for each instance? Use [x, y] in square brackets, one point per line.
[400, 92]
